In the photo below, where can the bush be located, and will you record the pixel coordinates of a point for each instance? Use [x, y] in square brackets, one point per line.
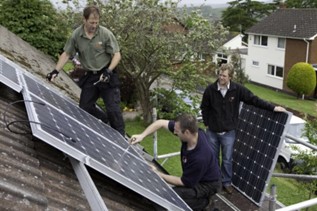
[37, 22]
[170, 104]
[301, 78]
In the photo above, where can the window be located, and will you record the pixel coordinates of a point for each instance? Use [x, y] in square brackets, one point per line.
[275, 71]
[255, 63]
[222, 58]
[281, 43]
[279, 72]
[260, 40]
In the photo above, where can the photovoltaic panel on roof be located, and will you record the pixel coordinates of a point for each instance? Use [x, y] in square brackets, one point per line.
[68, 107]
[62, 124]
[259, 137]
[9, 74]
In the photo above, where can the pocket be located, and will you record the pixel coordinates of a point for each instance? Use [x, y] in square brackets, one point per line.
[114, 80]
[82, 80]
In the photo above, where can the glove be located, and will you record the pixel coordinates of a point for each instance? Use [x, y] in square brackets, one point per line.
[106, 74]
[50, 75]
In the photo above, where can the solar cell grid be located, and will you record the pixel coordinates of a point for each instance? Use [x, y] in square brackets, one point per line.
[70, 108]
[9, 74]
[256, 149]
[95, 144]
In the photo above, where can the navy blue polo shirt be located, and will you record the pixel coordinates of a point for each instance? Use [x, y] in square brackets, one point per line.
[199, 164]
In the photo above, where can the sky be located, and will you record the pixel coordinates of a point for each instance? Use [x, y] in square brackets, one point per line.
[199, 2]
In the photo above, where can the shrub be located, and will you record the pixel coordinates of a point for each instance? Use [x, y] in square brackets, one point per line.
[37, 22]
[301, 78]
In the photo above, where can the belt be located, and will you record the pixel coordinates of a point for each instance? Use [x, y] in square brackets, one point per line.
[221, 133]
[88, 72]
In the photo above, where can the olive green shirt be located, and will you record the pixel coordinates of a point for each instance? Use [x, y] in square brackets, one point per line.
[96, 53]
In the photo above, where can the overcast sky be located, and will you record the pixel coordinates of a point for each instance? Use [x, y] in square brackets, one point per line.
[188, 2]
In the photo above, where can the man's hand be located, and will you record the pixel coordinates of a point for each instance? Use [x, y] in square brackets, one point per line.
[135, 139]
[279, 109]
[50, 76]
[105, 75]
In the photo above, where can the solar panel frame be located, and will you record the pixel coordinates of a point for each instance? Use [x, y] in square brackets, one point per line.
[259, 138]
[9, 74]
[38, 109]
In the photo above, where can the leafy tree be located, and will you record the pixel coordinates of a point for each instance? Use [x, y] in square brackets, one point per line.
[301, 79]
[157, 41]
[242, 14]
[299, 3]
[308, 158]
[35, 21]
[240, 75]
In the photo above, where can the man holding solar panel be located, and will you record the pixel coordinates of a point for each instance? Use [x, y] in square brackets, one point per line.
[201, 173]
[220, 110]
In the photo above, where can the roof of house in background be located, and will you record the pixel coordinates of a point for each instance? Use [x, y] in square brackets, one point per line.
[288, 23]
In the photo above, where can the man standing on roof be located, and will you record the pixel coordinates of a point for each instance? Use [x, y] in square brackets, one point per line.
[201, 173]
[220, 110]
[99, 54]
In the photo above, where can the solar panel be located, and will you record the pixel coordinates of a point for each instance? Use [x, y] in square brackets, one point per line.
[259, 138]
[9, 74]
[61, 123]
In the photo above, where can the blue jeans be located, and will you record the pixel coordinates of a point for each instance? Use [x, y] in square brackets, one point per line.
[226, 142]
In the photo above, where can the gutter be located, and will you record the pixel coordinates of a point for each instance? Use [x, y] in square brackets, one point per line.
[307, 49]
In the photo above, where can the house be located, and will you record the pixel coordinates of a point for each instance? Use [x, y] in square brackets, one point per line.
[279, 41]
[233, 44]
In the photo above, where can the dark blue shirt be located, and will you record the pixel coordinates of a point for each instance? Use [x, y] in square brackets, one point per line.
[199, 164]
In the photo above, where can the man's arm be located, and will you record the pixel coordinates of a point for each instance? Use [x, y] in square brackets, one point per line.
[63, 59]
[170, 179]
[161, 123]
[114, 61]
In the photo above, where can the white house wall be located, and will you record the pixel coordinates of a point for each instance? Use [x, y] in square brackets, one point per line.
[234, 43]
[264, 55]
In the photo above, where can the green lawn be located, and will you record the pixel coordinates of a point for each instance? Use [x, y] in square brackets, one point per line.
[290, 191]
[285, 100]
[167, 143]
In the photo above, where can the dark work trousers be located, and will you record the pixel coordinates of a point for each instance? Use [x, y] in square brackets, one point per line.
[110, 95]
[198, 197]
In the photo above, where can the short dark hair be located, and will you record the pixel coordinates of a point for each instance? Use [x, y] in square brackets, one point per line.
[187, 122]
[90, 10]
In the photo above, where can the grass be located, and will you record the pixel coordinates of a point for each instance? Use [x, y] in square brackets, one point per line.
[285, 100]
[167, 143]
[290, 191]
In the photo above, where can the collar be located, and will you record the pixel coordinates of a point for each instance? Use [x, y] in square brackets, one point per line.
[82, 31]
[218, 86]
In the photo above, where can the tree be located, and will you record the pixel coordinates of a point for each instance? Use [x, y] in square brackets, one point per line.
[308, 158]
[157, 41]
[242, 14]
[301, 79]
[299, 3]
[240, 75]
[35, 21]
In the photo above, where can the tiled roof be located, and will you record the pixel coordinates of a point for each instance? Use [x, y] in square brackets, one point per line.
[288, 23]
